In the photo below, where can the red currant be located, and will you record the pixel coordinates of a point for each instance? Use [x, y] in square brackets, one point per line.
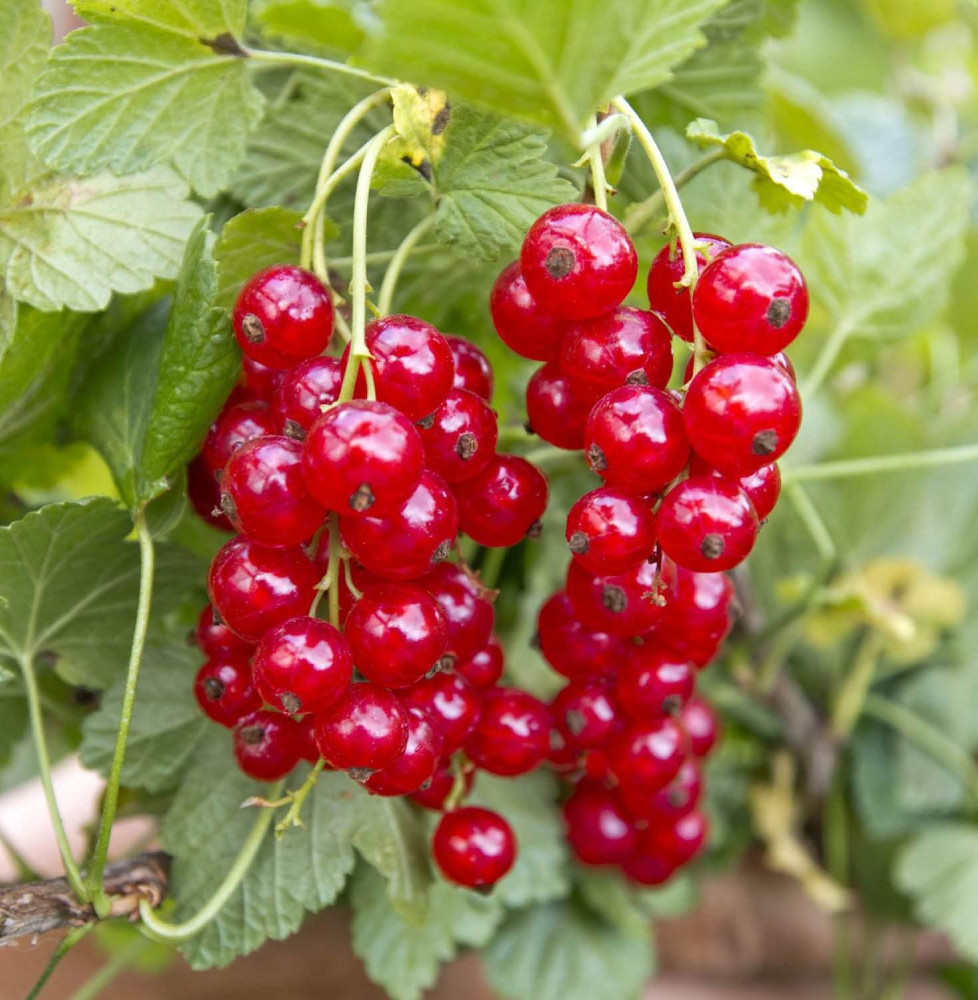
[521, 324]
[586, 714]
[578, 261]
[648, 869]
[367, 729]
[610, 531]
[283, 315]
[513, 733]
[215, 639]
[459, 437]
[503, 503]
[625, 604]
[464, 602]
[434, 793]
[233, 427]
[653, 682]
[763, 487]
[225, 691]
[598, 829]
[701, 725]
[204, 494]
[679, 842]
[570, 647]
[473, 847]
[485, 668]
[666, 296]
[648, 755]
[554, 410]
[473, 372]
[308, 751]
[304, 393]
[671, 803]
[267, 745]
[451, 703]
[417, 761]
[258, 380]
[696, 618]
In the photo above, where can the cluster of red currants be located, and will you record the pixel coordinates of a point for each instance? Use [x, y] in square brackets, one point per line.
[689, 474]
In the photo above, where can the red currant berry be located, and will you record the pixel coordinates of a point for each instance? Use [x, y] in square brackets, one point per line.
[513, 733]
[570, 647]
[625, 604]
[204, 494]
[254, 588]
[521, 324]
[595, 763]
[459, 437]
[215, 639]
[707, 524]
[750, 298]
[503, 503]
[407, 542]
[451, 703]
[473, 847]
[578, 261]
[417, 761]
[763, 487]
[362, 456]
[397, 634]
[679, 842]
[561, 757]
[225, 691]
[783, 361]
[666, 296]
[304, 393]
[233, 427]
[697, 616]
[367, 729]
[258, 380]
[741, 411]
[648, 755]
[485, 668]
[598, 830]
[671, 803]
[308, 751]
[434, 793]
[464, 602]
[473, 372]
[283, 315]
[648, 869]
[303, 665]
[701, 725]
[267, 745]
[634, 439]
[554, 410]
[610, 531]
[653, 682]
[586, 714]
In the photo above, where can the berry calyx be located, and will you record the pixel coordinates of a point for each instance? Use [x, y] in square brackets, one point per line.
[459, 437]
[554, 411]
[503, 503]
[526, 328]
[625, 604]
[472, 369]
[513, 734]
[225, 691]
[416, 763]
[473, 847]
[586, 714]
[653, 682]
[367, 729]
[609, 531]
[304, 393]
[267, 745]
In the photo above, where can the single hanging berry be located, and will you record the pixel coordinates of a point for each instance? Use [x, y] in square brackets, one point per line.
[609, 531]
[503, 503]
[473, 847]
[267, 745]
[522, 325]
[225, 691]
[678, 842]
[554, 410]
[367, 729]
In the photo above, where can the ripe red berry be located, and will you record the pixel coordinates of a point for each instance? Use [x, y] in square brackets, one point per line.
[204, 494]
[450, 702]
[667, 270]
[586, 714]
[233, 427]
[303, 665]
[464, 602]
[648, 869]
[598, 829]
[554, 410]
[763, 487]
[473, 847]
[671, 803]
[225, 691]
[304, 393]
[625, 604]
[473, 371]
[459, 437]
[367, 729]
[282, 316]
[741, 411]
[707, 524]
[522, 325]
[570, 647]
[216, 640]
[407, 542]
[397, 634]
[635, 440]
[648, 755]
[362, 456]
[267, 745]
[258, 380]
[254, 588]
[750, 298]
[701, 726]
[696, 617]
[513, 733]
[417, 761]
[308, 751]
[264, 494]
[503, 503]
[653, 682]
[485, 668]
[435, 791]
[677, 842]
[609, 531]
[578, 261]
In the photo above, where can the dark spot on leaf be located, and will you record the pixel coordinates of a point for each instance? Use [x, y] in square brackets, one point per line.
[441, 120]
[224, 44]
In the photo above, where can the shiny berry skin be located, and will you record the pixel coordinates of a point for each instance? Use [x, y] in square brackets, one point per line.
[701, 725]
[215, 639]
[258, 380]
[267, 745]
[473, 372]
[435, 791]
[233, 427]
[578, 261]
[308, 751]
[763, 487]
[304, 392]
[783, 361]
[225, 691]
[254, 588]
[653, 682]
[451, 703]
[367, 729]
[513, 734]
[417, 762]
[635, 439]
[459, 437]
[696, 617]
[667, 269]
[707, 524]
[282, 316]
[501, 505]
[671, 803]
[407, 542]
[648, 869]
[648, 755]
[750, 298]
[599, 830]
[469, 616]
[485, 668]
[303, 665]
[397, 634]
[522, 325]
[570, 647]
[362, 456]
[678, 842]
[554, 411]
[625, 604]
[627, 345]
[473, 847]
[609, 531]
[586, 714]
[741, 411]
[264, 494]
[204, 494]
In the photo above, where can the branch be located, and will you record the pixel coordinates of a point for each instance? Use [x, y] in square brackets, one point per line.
[36, 907]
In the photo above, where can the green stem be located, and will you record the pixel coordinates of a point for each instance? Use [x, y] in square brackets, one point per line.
[314, 62]
[875, 464]
[823, 365]
[97, 982]
[294, 816]
[492, 563]
[64, 946]
[598, 180]
[514, 433]
[385, 256]
[401, 254]
[855, 687]
[111, 798]
[72, 872]
[548, 455]
[812, 520]
[164, 931]
[641, 212]
[334, 571]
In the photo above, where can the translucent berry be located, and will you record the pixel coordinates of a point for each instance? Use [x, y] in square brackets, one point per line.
[598, 829]
[701, 726]
[304, 393]
[416, 763]
[522, 325]
[459, 437]
[473, 847]
[204, 494]
[215, 639]
[367, 729]
[484, 669]
[554, 410]
[625, 604]
[513, 733]
[233, 427]
[451, 703]
[503, 503]
[267, 745]
[653, 682]
[225, 691]
[464, 602]
[667, 270]
[570, 647]
[473, 371]
[610, 531]
[648, 755]
[586, 714]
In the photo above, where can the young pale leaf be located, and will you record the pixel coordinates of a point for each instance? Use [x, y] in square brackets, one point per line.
[784, 182]
[148, 83]
[313, 24]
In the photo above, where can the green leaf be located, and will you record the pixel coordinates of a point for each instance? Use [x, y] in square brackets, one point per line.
[13, 721]
[561, 950]
[312, 24]
[74, 242]
[148, 83]
[544, 61]
[405, 958]
[784, 182]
